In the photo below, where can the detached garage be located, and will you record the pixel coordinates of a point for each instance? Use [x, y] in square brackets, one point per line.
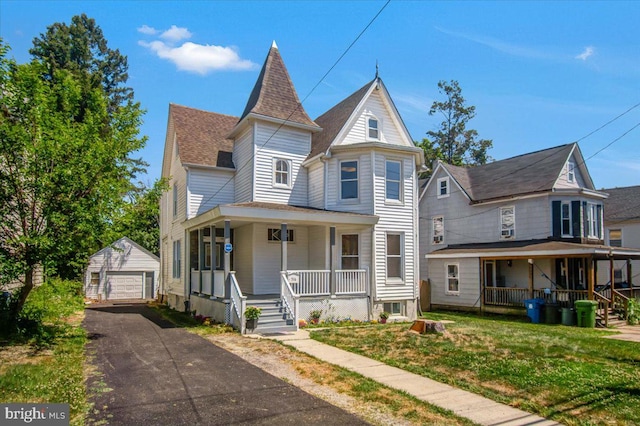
[124, 270]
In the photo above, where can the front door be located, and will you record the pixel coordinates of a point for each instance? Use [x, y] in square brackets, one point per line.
[489, 273]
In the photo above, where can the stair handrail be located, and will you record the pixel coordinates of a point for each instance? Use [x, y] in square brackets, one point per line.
[238, 301]
[625, 302]
[289, 297]
[602, 299]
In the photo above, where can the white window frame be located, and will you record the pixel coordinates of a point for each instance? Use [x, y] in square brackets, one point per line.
[569, 231]
[274, 235]
[349, 256]
[447, 187]
[395, 309]
[398, 181]
[571, 171]
[94, 278]
[376, 128]
[512, 234]
[357, 180]
[619, 231]
[177, 259]
[594, 228]
[175, 200]
[287, 174]
[437, 238]
[448, 278]
[394, 279]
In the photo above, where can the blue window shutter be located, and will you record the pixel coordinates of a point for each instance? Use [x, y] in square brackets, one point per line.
[575, 219]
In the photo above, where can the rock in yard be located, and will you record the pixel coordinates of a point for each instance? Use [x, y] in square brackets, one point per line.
[427, 326]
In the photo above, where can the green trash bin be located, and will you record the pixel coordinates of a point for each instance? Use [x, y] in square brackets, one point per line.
[568, 316]
[586, 313]
[551, 311]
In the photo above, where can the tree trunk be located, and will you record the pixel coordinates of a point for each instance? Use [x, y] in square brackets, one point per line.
[26, 288]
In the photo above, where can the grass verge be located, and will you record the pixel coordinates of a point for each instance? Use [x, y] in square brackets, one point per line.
[568, 374]
[43, 361]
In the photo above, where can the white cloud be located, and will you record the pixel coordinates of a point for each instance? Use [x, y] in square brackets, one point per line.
[199, 58]
[145, 29]
[588, 51]
[175, 34]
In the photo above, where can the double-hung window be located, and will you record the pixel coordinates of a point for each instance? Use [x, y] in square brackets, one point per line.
[443, 187]
[566, 219]
[453, 278]
[350, 252]
[175, 200]
[594, 223]
[349, 180]
[394, 256]
[392, 180]
[571, 174]
[615, 237]
[373, 130]
[507, 223]
[281, 173]
[438, 230]
[177, 259]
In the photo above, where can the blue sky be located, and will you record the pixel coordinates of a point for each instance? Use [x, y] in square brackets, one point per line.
[540, 74]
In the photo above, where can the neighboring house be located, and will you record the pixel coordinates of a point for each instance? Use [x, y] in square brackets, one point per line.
[622, 229]
[529, 226]
[123, 270]
[291, 214]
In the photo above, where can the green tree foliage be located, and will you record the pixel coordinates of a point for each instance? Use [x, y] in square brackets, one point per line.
[452, 142]
[65, 166]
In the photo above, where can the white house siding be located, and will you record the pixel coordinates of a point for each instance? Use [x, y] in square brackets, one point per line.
[243, 254]
[243, 151]
[284, 143]
[267, 257]
[364, 203]
[316, 185]
[373, 107]
[127, 258]
[578, 181]
[630, 239]
[318, 243]
[469, 282]
[209, 188]
[395, 218]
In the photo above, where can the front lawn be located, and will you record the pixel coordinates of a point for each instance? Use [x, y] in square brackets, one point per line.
[568, 374]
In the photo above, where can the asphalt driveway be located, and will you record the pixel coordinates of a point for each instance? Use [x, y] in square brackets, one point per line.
[153, 373]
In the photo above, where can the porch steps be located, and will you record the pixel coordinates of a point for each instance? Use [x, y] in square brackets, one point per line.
[273, 318]
[614, 321]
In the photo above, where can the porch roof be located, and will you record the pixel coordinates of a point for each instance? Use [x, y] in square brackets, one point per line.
[533, 249]
[251, 212]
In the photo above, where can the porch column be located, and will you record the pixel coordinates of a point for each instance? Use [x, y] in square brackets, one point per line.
[591, 276]
[612, 274]
[284, 237]
[530, 262]
[213, 254]
[483, 283]
[630, 277]
[332, 266]
[227, 259]
[200, 257]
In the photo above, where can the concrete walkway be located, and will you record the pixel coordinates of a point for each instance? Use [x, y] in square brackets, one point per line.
[465, 404]
[630, 333]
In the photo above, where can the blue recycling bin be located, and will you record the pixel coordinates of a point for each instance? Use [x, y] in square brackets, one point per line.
[534, 309]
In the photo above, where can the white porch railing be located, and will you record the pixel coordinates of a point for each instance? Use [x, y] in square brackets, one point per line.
[309, 283]
[206, 282]
[238, 304]
[351, 281]
[289, 298]
[218, 284]
[195, 280]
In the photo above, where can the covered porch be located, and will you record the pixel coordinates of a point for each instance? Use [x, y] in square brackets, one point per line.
[278, 257]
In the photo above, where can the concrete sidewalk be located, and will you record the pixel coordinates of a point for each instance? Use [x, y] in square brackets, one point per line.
[465, 404]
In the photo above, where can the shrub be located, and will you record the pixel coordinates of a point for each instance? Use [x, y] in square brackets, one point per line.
[252, 312]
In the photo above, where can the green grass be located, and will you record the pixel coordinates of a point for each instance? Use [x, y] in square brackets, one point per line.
[44, 360]
[184, 320]
[568, 374]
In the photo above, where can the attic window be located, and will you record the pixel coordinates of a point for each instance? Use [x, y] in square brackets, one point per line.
[443, 187]
[281, 173]
[373, 130]
[570, 172]
[508, 223]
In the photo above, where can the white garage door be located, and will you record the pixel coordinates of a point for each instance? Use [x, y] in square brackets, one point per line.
[124, 285]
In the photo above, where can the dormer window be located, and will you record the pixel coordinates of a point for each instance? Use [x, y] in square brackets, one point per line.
[373, 131]
[281, 173]
[571, 175]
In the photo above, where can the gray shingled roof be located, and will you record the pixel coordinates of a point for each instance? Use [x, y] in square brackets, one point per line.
[201, 136]
[623, 204]
[334, 120]
[524, 174]
[274, 94]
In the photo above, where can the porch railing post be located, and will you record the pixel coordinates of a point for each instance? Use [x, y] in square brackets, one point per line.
[213, 254]
[530, 262]
[227, 259]
[332, 266]
[283, 246]
[200, 257]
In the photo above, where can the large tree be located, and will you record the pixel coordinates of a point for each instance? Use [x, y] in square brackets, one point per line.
[65, 166]
[452, 142]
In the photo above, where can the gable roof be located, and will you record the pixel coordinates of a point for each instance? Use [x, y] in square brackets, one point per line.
[524, 174]
[334, 120]
[274, 94]
[128, 241]
[623, 204]
[202, 136]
